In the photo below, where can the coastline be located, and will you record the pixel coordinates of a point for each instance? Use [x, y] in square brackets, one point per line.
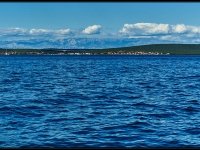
[153, 49]
[75, 54]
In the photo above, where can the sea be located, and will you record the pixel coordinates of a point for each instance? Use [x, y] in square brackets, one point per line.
[99, 101]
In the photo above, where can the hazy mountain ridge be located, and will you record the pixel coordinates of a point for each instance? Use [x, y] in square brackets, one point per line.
[77, 43]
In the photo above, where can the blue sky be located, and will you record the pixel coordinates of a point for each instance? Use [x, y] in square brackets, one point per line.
[110, 15]
[173, 22]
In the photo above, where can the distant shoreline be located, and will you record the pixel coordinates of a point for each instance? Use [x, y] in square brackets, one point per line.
[85, 54]
[99, 55]
[153, 49]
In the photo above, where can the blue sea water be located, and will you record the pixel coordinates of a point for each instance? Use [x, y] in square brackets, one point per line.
[99, 101]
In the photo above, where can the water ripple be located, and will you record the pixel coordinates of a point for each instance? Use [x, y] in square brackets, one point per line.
[99, 101]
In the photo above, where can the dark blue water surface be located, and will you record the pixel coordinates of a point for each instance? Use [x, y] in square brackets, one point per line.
[99, 101]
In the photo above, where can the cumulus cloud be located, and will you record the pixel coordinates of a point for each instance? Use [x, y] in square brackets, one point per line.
[19, 32]
[63, 31]
[38, 31]
[145, 29]
[94, 29]
[158, 29]
[179, 28]
[159, 33]
[13, 32]
[50, 32]
[137, 33]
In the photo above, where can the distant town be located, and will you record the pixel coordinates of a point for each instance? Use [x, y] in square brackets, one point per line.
[18, 52]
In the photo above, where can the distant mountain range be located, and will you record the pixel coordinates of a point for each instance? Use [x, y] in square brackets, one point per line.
[78, 43]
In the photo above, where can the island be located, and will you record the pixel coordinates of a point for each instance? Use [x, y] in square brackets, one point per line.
[152, 49]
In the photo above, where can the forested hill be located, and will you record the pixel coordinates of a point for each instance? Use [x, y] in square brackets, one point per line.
[162, 48]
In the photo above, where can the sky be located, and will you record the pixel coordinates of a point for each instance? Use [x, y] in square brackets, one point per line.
[110, 15]
[167, 22]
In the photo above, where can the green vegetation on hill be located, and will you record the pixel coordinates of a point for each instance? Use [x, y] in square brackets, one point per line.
[173, 49]
[165, 48]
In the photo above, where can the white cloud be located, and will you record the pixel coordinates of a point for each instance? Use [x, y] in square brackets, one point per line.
[137, 33]
[38, 31]
[167, 33]
[144, 29]
[16, 32]
[12, 32]
[194, 29]
[139, 29]
[179, 28]
[63, 31]
[94, 29]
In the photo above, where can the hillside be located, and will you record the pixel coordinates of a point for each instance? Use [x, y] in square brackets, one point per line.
[162, 48]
